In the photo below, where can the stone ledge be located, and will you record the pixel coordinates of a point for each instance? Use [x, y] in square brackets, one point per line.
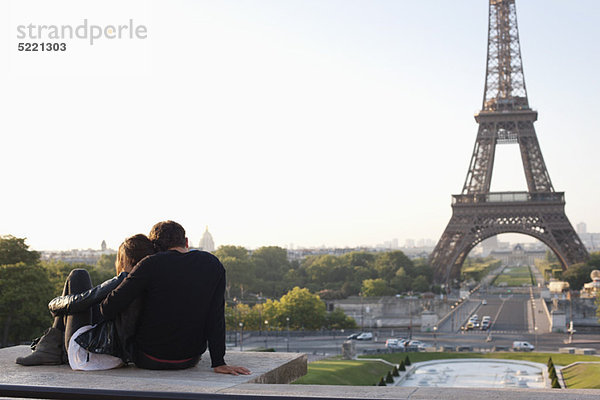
[266, 368]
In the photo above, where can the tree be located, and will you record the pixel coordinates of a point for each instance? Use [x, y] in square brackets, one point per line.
[577, 275]
[14, 250]
[420, 284]
[401, 282]
[304, 309]
[387, 264]
[239, 267]
[232, 251]
[358, 259]
[376, 287]
[239, 275]
[106, 262]
[24, 293]
[389, 378]
[58, 271]
[338, 320]
[328, 271]
[270, 265]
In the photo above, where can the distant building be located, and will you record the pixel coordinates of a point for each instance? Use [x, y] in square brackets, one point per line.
[518, 255]
[76, 256]
[591, 241]
[103, 245]
[207, 243]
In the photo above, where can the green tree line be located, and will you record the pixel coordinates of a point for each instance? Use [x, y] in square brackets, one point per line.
[268, 273]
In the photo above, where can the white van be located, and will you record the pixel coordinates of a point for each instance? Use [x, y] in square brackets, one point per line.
[522, 346]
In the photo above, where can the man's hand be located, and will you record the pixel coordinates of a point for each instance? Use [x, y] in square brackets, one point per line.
[231, 369]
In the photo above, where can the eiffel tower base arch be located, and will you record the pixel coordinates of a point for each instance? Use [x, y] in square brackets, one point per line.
[478, 217]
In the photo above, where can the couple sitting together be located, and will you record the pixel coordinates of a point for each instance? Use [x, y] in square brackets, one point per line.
[161, 311]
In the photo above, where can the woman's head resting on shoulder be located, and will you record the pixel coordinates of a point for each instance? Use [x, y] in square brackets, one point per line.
[131, 251]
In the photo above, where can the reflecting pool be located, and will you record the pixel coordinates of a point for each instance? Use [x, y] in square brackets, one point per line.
[476, 373]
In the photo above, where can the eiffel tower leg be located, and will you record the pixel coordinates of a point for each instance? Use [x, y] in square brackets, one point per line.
[449, 254]
[569, 248]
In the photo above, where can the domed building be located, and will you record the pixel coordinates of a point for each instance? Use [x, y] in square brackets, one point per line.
[207, 243]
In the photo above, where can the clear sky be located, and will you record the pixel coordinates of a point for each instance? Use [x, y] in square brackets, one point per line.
[310, 122]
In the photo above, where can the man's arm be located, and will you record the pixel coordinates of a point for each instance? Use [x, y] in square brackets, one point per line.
[215, 327]
[216, 331]
[131, 288]
[74, 303]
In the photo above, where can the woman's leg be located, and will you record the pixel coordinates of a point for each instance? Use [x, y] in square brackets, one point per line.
[51, 346]
[78, 281]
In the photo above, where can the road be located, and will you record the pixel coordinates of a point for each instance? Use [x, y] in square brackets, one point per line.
[331, 345]
[507, 311]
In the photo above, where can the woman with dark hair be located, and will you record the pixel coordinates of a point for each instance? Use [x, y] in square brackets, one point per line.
[79, 306]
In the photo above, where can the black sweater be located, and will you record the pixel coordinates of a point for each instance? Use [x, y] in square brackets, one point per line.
[183, 305]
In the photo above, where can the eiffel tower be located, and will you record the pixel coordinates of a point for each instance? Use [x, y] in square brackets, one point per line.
[505, 118]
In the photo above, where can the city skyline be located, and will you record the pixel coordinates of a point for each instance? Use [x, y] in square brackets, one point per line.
[306, 122]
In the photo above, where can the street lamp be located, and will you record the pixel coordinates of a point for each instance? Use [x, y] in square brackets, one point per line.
[287, 320]
[536, 338]
[267, 334]
[435, 337]
[241, 336]
[410, 316]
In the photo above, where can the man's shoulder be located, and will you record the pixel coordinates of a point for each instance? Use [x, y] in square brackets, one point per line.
[195, 257]
[204, 257]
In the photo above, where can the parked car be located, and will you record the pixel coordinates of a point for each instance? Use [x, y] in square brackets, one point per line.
[522, 346]
[365, 336]
[392, 344]
[418, 344]
[353, 336]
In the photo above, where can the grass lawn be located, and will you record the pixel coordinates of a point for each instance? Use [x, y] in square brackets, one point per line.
[558, 359]
[514, 276]
[476, 270]
[344, 372]
[582, 376]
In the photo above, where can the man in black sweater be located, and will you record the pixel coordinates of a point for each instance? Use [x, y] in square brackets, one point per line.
[182, 293]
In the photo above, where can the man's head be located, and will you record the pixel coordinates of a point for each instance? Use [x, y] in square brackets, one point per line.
[131, 251]
[167, 235]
